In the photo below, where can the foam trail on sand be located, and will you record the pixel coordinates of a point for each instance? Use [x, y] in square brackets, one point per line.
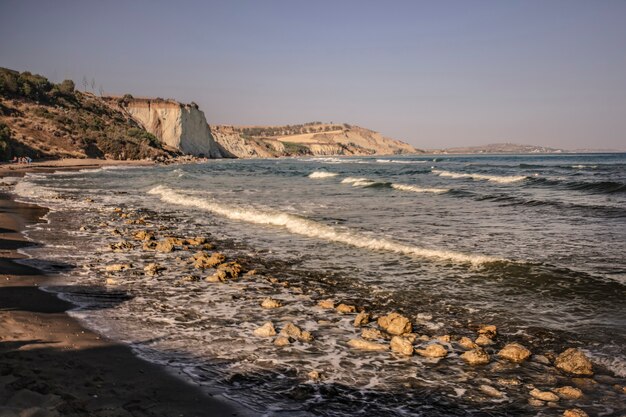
[305, 227]
[493, 178]
[322, 174]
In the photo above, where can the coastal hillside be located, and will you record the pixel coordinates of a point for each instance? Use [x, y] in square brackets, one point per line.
[315, 138]
[500, 148]
[44, 120]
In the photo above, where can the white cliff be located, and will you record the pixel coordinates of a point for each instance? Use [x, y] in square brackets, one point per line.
[179, 126]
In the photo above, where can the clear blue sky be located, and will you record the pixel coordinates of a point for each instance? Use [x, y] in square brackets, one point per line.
[435, 74]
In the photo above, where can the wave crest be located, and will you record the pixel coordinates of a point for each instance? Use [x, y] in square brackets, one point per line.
[322, 174]
[502, 179]
[305, 227]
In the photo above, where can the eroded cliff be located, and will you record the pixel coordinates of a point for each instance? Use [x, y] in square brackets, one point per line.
[179, 126]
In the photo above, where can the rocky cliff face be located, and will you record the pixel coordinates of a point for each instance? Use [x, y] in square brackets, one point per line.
[179, 126]
[308, 139]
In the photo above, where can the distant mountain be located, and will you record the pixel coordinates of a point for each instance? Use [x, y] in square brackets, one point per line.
[500, 148]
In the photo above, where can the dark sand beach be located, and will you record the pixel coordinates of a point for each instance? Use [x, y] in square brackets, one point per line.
[52, 366]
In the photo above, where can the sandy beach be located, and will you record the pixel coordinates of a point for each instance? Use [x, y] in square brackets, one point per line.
[53, 366]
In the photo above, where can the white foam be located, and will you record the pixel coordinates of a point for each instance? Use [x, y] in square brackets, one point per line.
[305, 227]
[322, 174]
[584, 166]
[30, 190]
[358, 182]
[416, 189]
[493, 178]
[397, 161]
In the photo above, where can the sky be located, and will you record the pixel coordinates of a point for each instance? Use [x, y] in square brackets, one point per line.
[435, 74]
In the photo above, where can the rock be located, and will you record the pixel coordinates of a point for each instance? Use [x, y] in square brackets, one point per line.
[267, 330]
[117, 210]
[568, 393]
[514, 352]
[270, 303]
[116, 232]
[490, 391]
[444, 339]
[366, 345]
[153, 269]
[362, 319]
[190, 278]
[164, 246]
[483, 340]
[282, 341]
[433, 351]
[371, 334]
[314, 375]
[574, 362]
[294, 332]
[202, 260]
[346, 309]
[411, 337]
[83, 229]
[110, 281]
[149, 245]
[476, 357]
[117, 267]
[544, 395]
[541, 359]
[401, 345]
[510, 382]
[328, 303]
[467, 343]
[143, 235]
[535, 402]
[231, 269]
[488, 330]
[395, 324]
[196, 241]
[120, 246]
[575, 412]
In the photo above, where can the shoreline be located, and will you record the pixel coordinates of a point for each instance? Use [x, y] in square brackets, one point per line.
[52, 365]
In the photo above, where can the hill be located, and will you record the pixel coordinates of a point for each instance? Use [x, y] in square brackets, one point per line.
[500, 148]
[41, 119]
[314, 138]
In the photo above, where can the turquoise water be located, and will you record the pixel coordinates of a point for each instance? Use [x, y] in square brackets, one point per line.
[532, 243]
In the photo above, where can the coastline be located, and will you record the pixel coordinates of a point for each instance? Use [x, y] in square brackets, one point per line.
[54, 366]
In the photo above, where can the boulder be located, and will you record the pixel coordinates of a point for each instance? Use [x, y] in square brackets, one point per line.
[401, 345]
[514, 352]
[362, 319]
[574, 362]
[202, 260]
[575, 412]
[117, 267]
[270, 303]
[488, 330]
[476, 357]
[346, 309]
[314, 375]
[366, 345]
[467, 343]
[282, 341]
[544, 395]
[490, 391]
[371, 334]
[483, 340]
[231, 269]
[328, 303]
[395, 324]
[164, 246]
[294, 332]
[433, 351]
[121, 246]
[143, 235]
[267, 330]
[568, 393]
[153, 269]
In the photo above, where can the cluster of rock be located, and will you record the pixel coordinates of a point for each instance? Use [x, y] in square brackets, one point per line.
[392, 332]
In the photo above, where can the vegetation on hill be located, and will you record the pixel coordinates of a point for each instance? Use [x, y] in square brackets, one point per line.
[289, 130]
[41, 119]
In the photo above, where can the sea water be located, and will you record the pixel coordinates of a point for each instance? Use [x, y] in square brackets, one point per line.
[534, 244]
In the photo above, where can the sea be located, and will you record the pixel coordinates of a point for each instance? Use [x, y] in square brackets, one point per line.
[533, 244]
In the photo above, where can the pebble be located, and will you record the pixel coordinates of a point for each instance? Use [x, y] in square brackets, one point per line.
[490, 391]
[544, 395]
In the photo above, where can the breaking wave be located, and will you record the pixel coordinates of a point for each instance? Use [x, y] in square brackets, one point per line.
[365, 182]
[305, 227]
[502, 179]
[322, 174]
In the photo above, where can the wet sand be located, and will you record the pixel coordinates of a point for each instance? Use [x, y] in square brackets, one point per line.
[53, 366]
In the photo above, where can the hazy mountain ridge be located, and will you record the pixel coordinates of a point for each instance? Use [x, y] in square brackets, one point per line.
[500, 148]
